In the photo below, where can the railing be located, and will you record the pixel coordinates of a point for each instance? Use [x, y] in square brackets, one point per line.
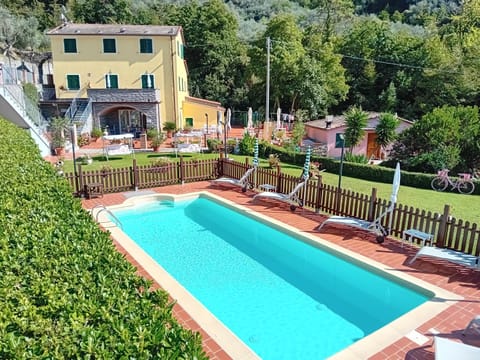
[100, 208]
[448, 231]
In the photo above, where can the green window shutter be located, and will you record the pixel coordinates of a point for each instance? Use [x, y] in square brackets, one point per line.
[73, 82]
[111, 81]
[189, 121]
[182, 51]
[114, 81]
[146, 81]
[146, 46]
[109, 46]
[70, 45]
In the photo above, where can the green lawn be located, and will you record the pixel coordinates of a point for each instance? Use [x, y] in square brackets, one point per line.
[466, 207]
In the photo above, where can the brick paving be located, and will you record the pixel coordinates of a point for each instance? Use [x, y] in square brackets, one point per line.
[461, 281]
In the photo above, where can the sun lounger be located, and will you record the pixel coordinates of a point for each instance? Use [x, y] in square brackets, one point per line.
[473, 325]
[290, 198]
[446, 349]
[456, 257]
[242, 182]
[373, 226]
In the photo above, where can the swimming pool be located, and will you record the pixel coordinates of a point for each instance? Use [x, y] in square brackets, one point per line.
[283, 297]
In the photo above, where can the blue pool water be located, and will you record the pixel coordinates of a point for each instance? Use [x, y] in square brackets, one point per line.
[284, 298]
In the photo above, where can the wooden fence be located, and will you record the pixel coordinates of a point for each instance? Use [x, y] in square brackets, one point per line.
[448, 231]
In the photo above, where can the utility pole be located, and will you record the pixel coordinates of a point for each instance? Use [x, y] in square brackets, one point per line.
[267, 100]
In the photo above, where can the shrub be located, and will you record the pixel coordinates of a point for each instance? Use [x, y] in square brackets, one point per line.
[66, 291]
[273, 160]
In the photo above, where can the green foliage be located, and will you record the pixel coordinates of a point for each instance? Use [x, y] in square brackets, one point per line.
[31, 92]
[59, 131]
[446, 137]
[65, 291]
[273, 160]
[213, 144]
[247, 144]
[356, 158]
[386, 129]
[169, 126]
[356, 120]
[96, 133]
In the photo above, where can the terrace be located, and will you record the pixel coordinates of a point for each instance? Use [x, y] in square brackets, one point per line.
[416, 344]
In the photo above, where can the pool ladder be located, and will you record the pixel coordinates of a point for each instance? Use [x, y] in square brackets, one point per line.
[101, 208]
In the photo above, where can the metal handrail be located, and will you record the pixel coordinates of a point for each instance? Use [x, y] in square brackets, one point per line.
[101, 208]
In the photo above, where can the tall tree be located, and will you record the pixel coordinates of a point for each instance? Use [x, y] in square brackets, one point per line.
[216, 59]
[385, 129]
[356, 120]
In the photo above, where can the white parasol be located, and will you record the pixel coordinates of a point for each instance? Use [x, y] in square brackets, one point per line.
[250, 118]
[279, 114]
[219, 123]
[393, 196]
[229, 119]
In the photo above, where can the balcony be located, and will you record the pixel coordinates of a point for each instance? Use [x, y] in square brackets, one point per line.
[124, 95]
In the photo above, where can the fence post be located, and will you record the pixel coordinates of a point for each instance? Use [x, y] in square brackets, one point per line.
[338, 197]
[135, 175]
[318, 202]
[182, 170]
[81, 186]
[442, 228]
[372, 205]
[279, 179]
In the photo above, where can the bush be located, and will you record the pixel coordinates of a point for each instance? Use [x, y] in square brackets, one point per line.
[66, 293]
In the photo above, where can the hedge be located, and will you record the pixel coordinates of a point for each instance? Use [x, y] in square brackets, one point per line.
[375, 173]
[65, 292]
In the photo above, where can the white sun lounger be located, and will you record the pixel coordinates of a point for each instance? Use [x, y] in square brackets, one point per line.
[290, 198]
[373, 226]
[456, 257]
[242, 182]
[446, 349]
[473, 325]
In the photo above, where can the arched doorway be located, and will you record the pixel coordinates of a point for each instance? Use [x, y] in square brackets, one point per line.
[123, 120]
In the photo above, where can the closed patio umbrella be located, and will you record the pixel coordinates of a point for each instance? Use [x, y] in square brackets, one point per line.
[306, 166]
[279, 113]
[393, 196]
[250, 118]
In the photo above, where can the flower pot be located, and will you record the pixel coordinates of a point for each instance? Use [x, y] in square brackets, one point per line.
[60, 151]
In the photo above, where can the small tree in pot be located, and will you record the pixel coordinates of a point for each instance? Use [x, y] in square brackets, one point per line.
[58, 131]
[169, 127]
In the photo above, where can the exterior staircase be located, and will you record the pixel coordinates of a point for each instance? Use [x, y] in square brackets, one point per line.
[18, 109]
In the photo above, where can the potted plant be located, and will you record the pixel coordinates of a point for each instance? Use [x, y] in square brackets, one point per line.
[96, 133]
[157, 140]
[169, 127]
[58, 128]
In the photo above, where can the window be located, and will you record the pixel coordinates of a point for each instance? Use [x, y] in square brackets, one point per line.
[111, 81]
[109, 46]
[148, 81]
[73, 82]
[146, 46]
[70, 45]
[189, 122]
[338, 141]
[182, 51]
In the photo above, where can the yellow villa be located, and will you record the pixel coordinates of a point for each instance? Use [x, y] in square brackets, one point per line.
[123, 78]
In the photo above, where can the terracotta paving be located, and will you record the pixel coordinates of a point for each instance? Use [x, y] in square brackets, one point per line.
[458, 280]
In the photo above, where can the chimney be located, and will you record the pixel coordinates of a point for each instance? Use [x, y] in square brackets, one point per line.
[328, 121]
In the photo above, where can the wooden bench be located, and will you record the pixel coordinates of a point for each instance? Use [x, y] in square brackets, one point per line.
[410, 234]
[93, 190]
